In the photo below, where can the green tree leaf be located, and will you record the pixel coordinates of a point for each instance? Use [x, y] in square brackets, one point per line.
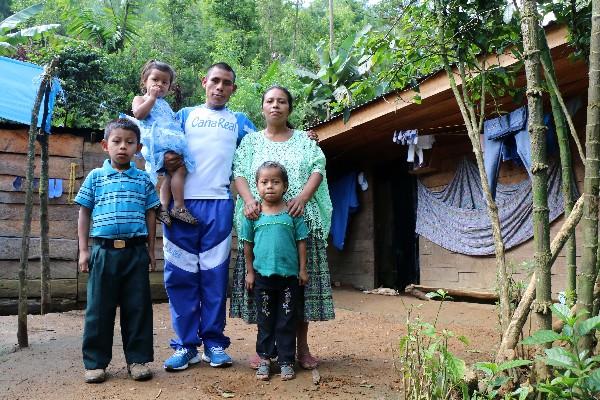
[560, 357]
[540, 337]
[584, 327]
[592, 382]
[562, 311]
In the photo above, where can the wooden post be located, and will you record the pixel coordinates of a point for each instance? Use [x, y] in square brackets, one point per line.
[45, 299]
[22, 336]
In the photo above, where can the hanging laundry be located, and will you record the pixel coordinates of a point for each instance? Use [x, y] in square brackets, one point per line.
[507, 138]
[416, 144]
[345, 202]
[406, 137]
[18, 182]
[362, 181]
[55, 188]
[416, 148]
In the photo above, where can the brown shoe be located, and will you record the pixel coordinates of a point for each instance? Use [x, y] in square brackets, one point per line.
[184, 215]
[139, 372]
[95, 375]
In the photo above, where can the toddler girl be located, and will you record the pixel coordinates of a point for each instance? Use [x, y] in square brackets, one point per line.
[162, 133]
[275, 254]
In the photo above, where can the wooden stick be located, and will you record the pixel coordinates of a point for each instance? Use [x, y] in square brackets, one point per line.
[487, 296]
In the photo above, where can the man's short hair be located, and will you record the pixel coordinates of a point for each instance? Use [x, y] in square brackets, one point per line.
[122, 123]
[221, 65]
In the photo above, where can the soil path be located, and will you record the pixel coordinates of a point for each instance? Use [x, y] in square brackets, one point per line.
[356, 352]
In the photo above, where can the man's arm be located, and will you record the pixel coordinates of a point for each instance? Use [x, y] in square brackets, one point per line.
[83, 232]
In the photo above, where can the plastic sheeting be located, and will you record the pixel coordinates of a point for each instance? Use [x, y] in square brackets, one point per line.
[456, 218]
[19, 83]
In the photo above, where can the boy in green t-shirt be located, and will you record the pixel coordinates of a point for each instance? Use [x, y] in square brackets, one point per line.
[275, 253]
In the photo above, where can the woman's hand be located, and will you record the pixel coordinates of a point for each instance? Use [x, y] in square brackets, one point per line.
[312, 135]
[296, 206]
[252, 209]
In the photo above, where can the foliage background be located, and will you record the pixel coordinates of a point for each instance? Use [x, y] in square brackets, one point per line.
[378, 46]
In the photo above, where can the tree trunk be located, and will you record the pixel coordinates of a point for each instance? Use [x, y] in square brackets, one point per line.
[512, 333]
[539, 170]
[587, 271]
[331, 26]
[45, 300]
[597, 295]
[567, 183]
[474, 127]
[293, 56]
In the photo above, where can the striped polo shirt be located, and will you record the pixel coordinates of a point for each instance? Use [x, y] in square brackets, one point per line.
[118, 201]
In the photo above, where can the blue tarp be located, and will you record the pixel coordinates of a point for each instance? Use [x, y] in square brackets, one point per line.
[19, 83]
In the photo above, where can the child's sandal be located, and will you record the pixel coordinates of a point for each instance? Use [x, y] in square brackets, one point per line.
[184, 215]
[163, 215]
[287, 372]
[264, 369]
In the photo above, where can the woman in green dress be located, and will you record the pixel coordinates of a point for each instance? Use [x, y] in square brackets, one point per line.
[307, 195]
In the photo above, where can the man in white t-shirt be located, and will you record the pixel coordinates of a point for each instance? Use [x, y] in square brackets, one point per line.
[197, 256]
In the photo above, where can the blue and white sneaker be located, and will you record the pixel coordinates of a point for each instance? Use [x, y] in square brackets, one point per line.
[181, 359]
[217, 357]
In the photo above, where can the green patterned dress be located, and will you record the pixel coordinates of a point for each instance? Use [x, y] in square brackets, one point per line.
[301, 157]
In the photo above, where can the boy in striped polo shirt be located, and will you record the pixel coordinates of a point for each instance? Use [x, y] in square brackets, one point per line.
[118, 201]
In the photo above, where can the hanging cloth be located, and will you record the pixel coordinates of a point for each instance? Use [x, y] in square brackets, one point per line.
[456, 218]
[345, 202]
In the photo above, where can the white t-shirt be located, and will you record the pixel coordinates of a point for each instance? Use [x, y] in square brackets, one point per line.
[212, 137]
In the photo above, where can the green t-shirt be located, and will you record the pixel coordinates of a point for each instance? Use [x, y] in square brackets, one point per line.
[274, 237]
[301, 157]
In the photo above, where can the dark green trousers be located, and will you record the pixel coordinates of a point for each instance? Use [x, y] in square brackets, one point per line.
[118, 277]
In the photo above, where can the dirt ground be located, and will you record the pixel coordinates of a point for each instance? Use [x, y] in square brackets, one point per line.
[356, 352]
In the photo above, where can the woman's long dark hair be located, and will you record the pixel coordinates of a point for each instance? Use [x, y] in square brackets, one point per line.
[290, 100]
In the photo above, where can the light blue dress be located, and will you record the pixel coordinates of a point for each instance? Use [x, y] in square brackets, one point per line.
[162, 132]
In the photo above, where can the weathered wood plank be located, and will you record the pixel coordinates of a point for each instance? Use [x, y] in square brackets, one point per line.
[65, 288]
[19, 198]
[59, 269]
[157, 287]
[62, 249]
[65, 145]
[59, 167]
[58, 212]
[57, 229]
[10, 306]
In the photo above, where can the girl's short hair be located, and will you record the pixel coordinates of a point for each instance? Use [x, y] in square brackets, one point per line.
[273, 164]
[159, 65]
